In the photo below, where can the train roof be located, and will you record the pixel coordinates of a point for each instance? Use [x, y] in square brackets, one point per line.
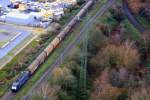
[23, 75]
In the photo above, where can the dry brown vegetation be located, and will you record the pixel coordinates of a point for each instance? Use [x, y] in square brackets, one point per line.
[137, 5]
[117, 66]
[46, 92]
[59, 75]
[103, 90]
[117, 56]
[140, 94]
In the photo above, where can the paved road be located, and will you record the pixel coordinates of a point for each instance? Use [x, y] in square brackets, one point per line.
[70, 46]
[61, 58]
[24, 34]
[132, 18]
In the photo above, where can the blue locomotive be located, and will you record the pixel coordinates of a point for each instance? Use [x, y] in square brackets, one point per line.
[20, 81]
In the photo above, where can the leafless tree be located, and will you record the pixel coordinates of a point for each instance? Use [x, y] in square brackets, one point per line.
[45, 92]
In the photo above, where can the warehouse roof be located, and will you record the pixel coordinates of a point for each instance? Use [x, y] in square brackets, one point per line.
[18, 15]
[5, 3]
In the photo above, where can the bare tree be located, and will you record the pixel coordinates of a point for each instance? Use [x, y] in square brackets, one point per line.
[45, 92]
[140, 94]
[103, 90]
[117, 56]
[146, 46]
[135, 5]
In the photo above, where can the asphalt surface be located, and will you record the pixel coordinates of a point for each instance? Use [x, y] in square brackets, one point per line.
[132, 18]
[12, 44]
[61, 58]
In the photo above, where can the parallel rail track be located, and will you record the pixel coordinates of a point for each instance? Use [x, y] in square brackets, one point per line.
[134, 21]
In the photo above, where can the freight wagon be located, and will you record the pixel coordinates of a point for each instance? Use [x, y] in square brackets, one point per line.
[49, 49]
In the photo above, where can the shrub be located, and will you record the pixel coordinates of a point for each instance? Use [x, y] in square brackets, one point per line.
[45, 92]
[118, 56]
[140, 94]
[64, 96]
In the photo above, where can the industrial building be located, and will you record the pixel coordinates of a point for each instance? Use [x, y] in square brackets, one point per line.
[5, 3]
[33, 13]
[19, 18]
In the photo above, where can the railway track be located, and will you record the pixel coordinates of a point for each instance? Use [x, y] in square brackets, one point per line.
[134, 21]
[77, 39]
[64, 54]
[25, 75]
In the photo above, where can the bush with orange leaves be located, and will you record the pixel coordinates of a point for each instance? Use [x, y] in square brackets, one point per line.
[60, 76]
[117, 56]
[140, 94]
[103, 90]
[135, 5]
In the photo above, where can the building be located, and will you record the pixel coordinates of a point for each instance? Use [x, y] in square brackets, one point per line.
[19, 18]
[5, 3]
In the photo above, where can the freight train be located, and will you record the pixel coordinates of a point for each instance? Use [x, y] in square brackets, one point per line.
[25, 75]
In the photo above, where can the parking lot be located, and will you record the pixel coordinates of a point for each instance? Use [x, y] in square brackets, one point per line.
[13, 35]
[6, 37]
